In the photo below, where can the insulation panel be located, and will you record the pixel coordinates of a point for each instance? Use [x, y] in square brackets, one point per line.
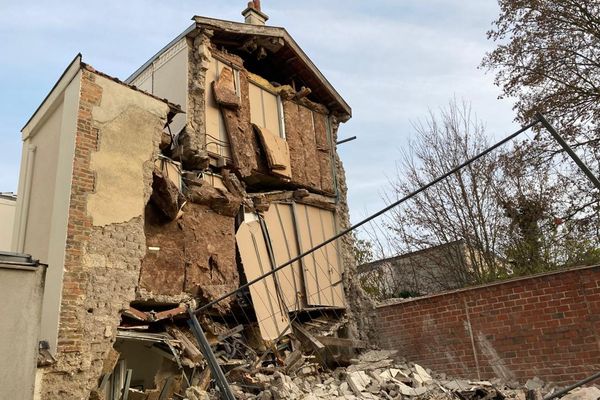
[282, 234]
[273, 320]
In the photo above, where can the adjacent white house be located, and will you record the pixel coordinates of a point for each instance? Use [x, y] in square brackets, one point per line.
[8, 203]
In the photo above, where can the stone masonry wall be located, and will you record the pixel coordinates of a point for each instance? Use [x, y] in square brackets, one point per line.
[545, 326]
[102, 256]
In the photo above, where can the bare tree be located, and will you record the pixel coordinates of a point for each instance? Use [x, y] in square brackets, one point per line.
[462, 208]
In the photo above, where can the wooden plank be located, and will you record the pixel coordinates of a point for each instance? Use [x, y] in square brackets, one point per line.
[164, 393]
[341, 342]
[307, 336]
[273, 320]
[189, 348]
[280, 226]
[230, 333]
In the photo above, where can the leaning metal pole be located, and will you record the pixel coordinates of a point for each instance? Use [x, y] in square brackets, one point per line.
[594, 179]
[215, 368]
[573, 386]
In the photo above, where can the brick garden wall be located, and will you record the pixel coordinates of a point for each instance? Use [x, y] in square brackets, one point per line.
[546, 325]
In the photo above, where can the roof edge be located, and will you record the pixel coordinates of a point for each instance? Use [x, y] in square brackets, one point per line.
[62, 82]
[267, 30]
[264, 30]
[138, 71]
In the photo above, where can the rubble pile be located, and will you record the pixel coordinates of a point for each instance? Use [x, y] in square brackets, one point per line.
[375, 374]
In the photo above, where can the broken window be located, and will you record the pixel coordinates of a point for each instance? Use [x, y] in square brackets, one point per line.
[266, 109]
[217, 141]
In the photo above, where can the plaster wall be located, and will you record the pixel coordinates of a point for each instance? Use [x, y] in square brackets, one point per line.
[39, 215]
[118, 131]
[20, 309]
[7, 219]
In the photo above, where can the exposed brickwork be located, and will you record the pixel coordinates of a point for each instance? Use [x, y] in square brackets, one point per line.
[102, 263]
[80, 224]
[546, 326]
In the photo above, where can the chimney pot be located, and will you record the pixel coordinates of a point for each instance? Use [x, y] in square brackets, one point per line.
[253, 15]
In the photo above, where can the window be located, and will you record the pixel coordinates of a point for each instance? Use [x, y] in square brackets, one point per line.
[266, 110]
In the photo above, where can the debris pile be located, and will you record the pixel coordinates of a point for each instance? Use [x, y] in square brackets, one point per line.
[375, 374]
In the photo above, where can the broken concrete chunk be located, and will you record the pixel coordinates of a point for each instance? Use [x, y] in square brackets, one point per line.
[194, 393]
[391, 373]
[233, 184]
[421, 376]
[456, 384]
[165, 194]
[358, 381]
[586, 393]
[219, 200]
[534, 383]
[284, 388]
[224, 90]
[408, 391]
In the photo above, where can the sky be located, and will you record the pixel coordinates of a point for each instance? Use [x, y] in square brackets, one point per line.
[392, 60]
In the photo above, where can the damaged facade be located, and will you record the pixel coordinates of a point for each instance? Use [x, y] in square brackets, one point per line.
[211, 165]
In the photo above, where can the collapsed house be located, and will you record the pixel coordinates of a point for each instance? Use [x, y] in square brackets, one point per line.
[211, 165]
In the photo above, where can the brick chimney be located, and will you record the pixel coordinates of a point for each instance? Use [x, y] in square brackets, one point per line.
[253, 15]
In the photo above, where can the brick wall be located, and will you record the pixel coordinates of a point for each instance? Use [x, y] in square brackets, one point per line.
[102, 259]
[546, 325]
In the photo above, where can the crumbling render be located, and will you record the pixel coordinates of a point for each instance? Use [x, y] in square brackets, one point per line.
[111, 184]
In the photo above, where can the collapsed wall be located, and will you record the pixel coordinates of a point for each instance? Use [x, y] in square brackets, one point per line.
[162, 220]
[117, 137]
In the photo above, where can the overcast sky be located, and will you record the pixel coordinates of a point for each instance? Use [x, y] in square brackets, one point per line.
[392, 60]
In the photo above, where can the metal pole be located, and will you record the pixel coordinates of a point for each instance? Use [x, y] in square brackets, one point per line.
[345, 140]
[373, 216]
[573, 386]
[226, 393]
[569, 151]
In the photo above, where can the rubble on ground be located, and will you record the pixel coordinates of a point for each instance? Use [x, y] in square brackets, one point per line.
[376, 374]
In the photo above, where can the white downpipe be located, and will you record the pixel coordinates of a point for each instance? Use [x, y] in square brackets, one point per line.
[23, 217]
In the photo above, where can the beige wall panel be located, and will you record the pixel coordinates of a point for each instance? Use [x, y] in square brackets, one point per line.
[322, 269]
[146, 84]
[273, 320]
[7, 220]
[313, 292]
[277, 152]
[20, 308]
[215, 125]
[256, 110]
[125, 125]
[39, 217]
[336, 268]
[171, 83]
[321, 256]
[280, 225]
[271, 112]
